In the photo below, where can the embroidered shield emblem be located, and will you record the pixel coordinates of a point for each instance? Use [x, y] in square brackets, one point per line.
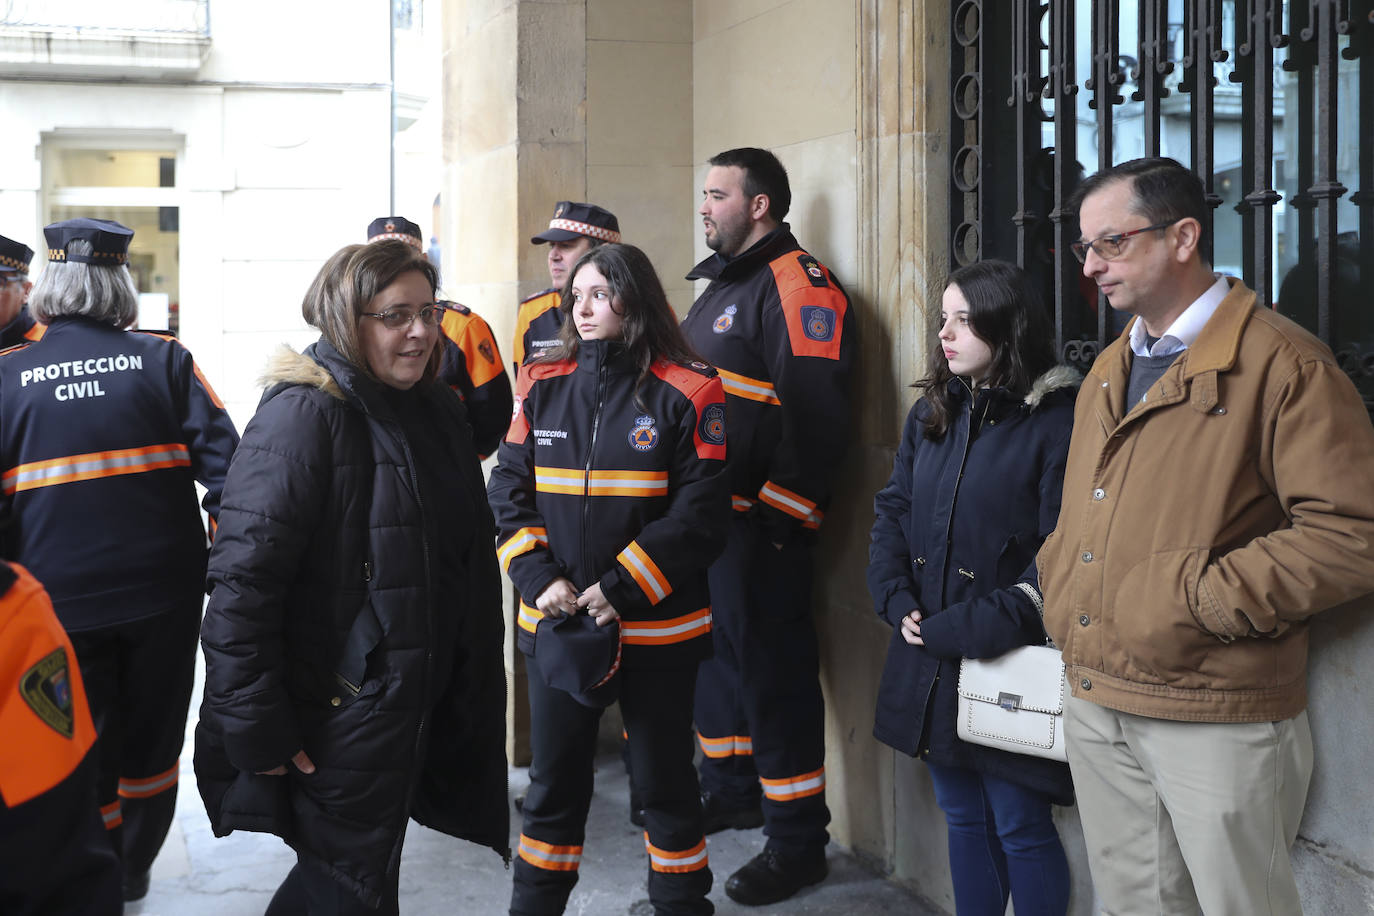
[644, 434]
[47, 688]
[726, 320]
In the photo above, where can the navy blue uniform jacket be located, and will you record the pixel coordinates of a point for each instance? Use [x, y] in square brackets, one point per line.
[778, 328]
[956, 532]
[595, 487]
[103, 434]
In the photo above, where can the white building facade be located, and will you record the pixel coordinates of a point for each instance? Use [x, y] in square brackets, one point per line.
[243, 142]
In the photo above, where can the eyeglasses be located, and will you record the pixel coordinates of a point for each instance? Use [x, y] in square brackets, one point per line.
[1110, 247]
[399, 319]
[7, 278]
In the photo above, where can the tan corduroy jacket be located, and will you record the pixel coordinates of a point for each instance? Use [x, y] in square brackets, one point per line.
[1201, 528]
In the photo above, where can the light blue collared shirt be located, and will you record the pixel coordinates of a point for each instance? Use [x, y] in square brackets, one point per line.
[1186, 327]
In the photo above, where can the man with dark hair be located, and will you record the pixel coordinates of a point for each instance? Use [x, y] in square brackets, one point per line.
[777, 326]
[576, 228]
[472, 363]
[16, 324]
[1219, 492]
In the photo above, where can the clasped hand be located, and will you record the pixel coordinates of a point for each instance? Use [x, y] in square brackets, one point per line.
[561, 598]
[911, 628]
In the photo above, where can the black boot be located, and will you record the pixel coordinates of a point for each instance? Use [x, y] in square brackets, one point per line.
[717, 814]
[773, 875]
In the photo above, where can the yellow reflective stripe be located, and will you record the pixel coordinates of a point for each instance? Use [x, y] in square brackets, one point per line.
[523, 541]
[742, 386]
[528, 618]
[812, 783]
[729, 746]
[785, 500]
[92, 465]
[575, 482]
[548, 856]
[645, 572]
[662, 632]
[661, 860]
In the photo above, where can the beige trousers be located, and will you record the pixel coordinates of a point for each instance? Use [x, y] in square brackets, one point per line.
[1186, 818]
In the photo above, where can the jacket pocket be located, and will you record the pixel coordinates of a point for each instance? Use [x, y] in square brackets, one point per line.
[338, 683]
[1154, 616]
[363, 637]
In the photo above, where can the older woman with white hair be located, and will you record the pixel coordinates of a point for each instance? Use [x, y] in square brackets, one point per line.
[104, 433]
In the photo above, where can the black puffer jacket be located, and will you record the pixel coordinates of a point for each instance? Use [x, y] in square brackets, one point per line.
[955, 534]
[323, 634]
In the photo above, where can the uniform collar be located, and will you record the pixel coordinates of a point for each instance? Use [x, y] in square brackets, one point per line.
[594, 355]
[778, 242]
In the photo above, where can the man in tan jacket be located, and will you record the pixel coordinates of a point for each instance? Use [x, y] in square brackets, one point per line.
[1219, 492]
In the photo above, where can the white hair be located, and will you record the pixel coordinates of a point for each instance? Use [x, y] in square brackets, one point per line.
[70, 288]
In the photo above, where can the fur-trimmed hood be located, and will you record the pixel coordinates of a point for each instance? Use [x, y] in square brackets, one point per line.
[287, 367]
[1056, 378]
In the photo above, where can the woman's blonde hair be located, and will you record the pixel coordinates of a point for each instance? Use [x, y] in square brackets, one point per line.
[345, 287]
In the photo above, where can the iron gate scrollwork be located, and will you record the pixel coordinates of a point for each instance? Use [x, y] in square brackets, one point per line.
[1271, 102]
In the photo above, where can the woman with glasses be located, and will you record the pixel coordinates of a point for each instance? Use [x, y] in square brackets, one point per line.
[354, 672]
[611, 501]
[974, 491]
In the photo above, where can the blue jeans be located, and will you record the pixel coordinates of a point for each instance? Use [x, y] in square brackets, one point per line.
[1002, 841]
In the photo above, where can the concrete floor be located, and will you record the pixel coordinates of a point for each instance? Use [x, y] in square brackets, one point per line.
[235, 876]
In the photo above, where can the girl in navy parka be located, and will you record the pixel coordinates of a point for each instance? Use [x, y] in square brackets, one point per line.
[975, 489]
[611, 501]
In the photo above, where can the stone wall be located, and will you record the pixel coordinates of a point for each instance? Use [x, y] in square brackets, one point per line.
[852, 96]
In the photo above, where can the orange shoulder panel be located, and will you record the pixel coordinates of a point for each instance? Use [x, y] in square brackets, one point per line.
[43, 713]
[813, 307]
[519, 429]
[473, 336]
[703, 388]
[531, 309]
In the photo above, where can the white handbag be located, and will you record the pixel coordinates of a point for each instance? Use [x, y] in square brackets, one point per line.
[1014, 702]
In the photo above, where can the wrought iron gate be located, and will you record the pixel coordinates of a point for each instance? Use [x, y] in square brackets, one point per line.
[1270, 102]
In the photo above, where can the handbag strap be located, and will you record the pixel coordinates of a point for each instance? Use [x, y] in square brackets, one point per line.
[1031, 592]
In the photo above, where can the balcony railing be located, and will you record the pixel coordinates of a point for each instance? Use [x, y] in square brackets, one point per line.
[152, 39]
[101, 17]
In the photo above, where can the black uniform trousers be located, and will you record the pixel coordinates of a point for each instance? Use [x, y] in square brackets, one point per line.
[657, 707]
[138, 679]
[759, 708]
[56, 858]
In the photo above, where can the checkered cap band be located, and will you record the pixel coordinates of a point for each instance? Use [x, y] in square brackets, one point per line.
[406, 237]
[587, 229]
[21, 266]
[95, 257]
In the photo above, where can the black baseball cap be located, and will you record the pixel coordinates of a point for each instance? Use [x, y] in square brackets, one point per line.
[577, 656]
